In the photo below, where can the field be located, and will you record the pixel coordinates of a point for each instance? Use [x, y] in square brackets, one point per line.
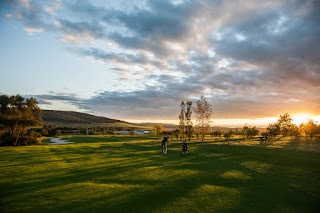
[129, 174]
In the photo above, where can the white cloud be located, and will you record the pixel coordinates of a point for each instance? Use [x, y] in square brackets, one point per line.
[32, 30]
[165, 51]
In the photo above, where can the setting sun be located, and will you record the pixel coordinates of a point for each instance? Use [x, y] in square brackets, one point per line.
[304, 117]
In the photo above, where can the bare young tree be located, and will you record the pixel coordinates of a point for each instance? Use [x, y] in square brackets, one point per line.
[182, 119]
[188, 121]
[203, 112]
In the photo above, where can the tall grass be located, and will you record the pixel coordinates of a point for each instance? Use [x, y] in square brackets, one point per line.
[129, 174]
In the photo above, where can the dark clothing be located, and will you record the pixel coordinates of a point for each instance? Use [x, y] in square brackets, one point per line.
[184, 147]
[164, 145]
[164, 140]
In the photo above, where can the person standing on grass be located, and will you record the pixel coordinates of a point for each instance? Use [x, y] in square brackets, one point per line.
[164, 145]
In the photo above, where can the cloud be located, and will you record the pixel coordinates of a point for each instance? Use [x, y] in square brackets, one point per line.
[250, 59]
[283, 42]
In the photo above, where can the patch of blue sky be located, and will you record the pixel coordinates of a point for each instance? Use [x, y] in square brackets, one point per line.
[40, 62]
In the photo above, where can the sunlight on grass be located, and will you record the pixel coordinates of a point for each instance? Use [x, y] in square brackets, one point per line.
[257, 166]
[81, 196]
[234, 174]
[116, 174]
[212, 198]
[156, 173]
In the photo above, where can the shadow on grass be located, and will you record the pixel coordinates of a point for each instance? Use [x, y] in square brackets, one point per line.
[109, 138]
[135, 177]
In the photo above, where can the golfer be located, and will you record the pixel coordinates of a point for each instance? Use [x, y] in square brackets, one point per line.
[164, 145]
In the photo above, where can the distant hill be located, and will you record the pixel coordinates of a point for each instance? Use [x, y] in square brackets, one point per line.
[74, 117]
[71, 118]
[79, 119]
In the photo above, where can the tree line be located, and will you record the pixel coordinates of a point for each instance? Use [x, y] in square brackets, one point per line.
[17, 115]
[284, 127]
[21, 123]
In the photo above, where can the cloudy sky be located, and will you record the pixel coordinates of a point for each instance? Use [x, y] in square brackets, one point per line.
[137, 60]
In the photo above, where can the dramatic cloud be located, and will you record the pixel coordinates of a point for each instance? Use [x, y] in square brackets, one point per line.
[250, 59]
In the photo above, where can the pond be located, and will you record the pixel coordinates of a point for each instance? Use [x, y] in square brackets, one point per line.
[54, 141]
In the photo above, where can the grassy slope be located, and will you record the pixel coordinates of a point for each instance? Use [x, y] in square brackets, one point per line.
[78, 119]
[121, 173]
[74, 117]
[113, 125]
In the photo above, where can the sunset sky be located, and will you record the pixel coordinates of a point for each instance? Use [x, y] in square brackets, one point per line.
[137, 60]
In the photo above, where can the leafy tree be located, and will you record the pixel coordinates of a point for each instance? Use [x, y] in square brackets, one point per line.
[58, 132]
[227, 135]
[273, 129]
[157, 129]
[17, 114]
[266, 139]
[203, 112]
[237, 132]
[217, 133]
[182, 119]
[244, 131]
[177, 133]
[311, 129]
[249, 132]
[294, 131]
[253, 132]
[44, 132]
[284, 122]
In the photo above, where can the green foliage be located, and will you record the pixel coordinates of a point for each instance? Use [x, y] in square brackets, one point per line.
[217, 133]
[128, 174]
[16, 115]
[285, 124]
[311, 129]
[273, 130]
[29, 140]
[227, 135]
[294, 131]
[58, 132]
[157, 129]
[249, 132]
[44, 132]
[177, 134]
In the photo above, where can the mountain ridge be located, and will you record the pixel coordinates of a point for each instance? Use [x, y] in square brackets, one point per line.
[72, 117]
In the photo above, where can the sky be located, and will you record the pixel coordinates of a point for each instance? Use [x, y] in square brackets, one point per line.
[137, 60]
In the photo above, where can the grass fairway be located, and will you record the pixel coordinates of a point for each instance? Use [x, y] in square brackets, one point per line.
[125, 174]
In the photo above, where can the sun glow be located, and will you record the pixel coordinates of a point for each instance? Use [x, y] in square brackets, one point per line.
[297, 119]
[303, 118]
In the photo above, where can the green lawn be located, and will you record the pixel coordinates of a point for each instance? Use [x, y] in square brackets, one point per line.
[125, 174]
